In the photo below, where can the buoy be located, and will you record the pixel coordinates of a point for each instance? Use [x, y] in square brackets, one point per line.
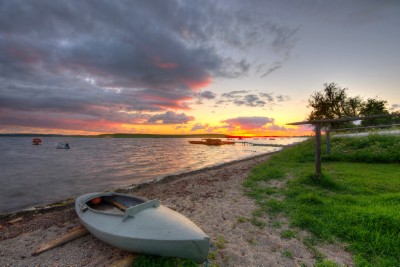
[96, 201]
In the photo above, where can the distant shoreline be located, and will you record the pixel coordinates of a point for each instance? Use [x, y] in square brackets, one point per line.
[139, 135]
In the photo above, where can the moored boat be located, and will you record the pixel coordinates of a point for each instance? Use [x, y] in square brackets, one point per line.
[142, 226]
[36, 141]
[62, 145]
[212, 142]
[198, 142]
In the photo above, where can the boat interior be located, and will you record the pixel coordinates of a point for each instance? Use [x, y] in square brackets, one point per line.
[116, 204]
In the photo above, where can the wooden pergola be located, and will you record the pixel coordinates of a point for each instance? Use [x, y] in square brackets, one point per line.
[317, 129]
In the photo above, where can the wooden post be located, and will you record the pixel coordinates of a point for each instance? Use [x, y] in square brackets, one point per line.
[318, 149]
[328, 141]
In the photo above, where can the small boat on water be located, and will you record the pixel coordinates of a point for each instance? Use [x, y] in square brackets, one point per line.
[143, 226]
[212, 142]
[198, 142]
[63, 145]
[36, 141]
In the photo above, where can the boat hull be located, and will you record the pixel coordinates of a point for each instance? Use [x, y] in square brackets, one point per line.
[154, 230]
[212, 142]
[62, 146]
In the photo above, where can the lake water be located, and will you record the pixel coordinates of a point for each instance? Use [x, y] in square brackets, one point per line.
[38, 175]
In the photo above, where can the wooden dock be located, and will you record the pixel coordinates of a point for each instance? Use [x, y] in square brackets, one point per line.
[255, 144]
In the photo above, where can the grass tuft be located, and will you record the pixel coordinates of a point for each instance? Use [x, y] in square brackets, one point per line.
[156, 261]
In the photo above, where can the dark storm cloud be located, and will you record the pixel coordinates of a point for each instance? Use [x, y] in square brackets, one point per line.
[110, 59]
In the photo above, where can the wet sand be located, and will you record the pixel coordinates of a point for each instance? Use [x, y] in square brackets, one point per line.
[213, 198]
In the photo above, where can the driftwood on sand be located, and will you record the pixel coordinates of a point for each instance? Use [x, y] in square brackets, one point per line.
[69, 236]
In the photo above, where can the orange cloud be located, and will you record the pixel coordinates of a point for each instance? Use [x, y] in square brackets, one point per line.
[197, 85]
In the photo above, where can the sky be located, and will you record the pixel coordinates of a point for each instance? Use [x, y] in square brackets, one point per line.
[189, 67]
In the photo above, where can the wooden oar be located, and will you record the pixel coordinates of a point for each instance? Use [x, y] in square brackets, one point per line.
[69, 236]
[117, 204]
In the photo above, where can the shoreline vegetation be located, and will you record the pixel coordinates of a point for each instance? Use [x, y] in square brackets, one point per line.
[267, 210]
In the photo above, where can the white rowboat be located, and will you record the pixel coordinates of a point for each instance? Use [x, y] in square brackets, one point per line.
[142, 226]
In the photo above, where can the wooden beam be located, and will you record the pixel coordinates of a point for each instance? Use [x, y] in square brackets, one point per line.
[365, 127]
[318, 150]
[69, 236]
[328, 141]
[344, 119]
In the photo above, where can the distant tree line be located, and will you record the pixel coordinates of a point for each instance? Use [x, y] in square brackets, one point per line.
[333, 103]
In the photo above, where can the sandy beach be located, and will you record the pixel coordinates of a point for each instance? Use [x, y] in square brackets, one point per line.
[213, 198]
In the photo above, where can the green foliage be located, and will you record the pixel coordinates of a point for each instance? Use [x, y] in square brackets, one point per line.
[374, 107]
[212, 255]
[257, 222]
[356, 199]
[252, 241]
[333, 103]
[274, 206]
[220, 243]
[241, 219]
[327, 263]
[370, 149]
[155, 261]
[288, 234]
[287, 254]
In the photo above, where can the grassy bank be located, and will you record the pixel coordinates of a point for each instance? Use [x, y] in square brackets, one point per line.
[355, 201]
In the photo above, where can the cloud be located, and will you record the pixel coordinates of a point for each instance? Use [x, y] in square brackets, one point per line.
[207, 95]
[244, 98]
[170, 117]
[127, 57]
[274, 67]
[263, 125]
[282, 98]
[248, 123]
[394, 107]
[233, 94]
[199, 126]
[204, 95]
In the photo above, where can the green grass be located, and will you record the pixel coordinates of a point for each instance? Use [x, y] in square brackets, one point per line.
[371, 149]
[287, 254]
[288, 234]
[220, 243]
[155, 261]
[356, 200]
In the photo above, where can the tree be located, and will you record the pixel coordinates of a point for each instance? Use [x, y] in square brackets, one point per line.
[333, 103]
[374, 107]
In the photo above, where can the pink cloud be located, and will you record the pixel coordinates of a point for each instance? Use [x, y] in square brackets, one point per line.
[248, 123]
